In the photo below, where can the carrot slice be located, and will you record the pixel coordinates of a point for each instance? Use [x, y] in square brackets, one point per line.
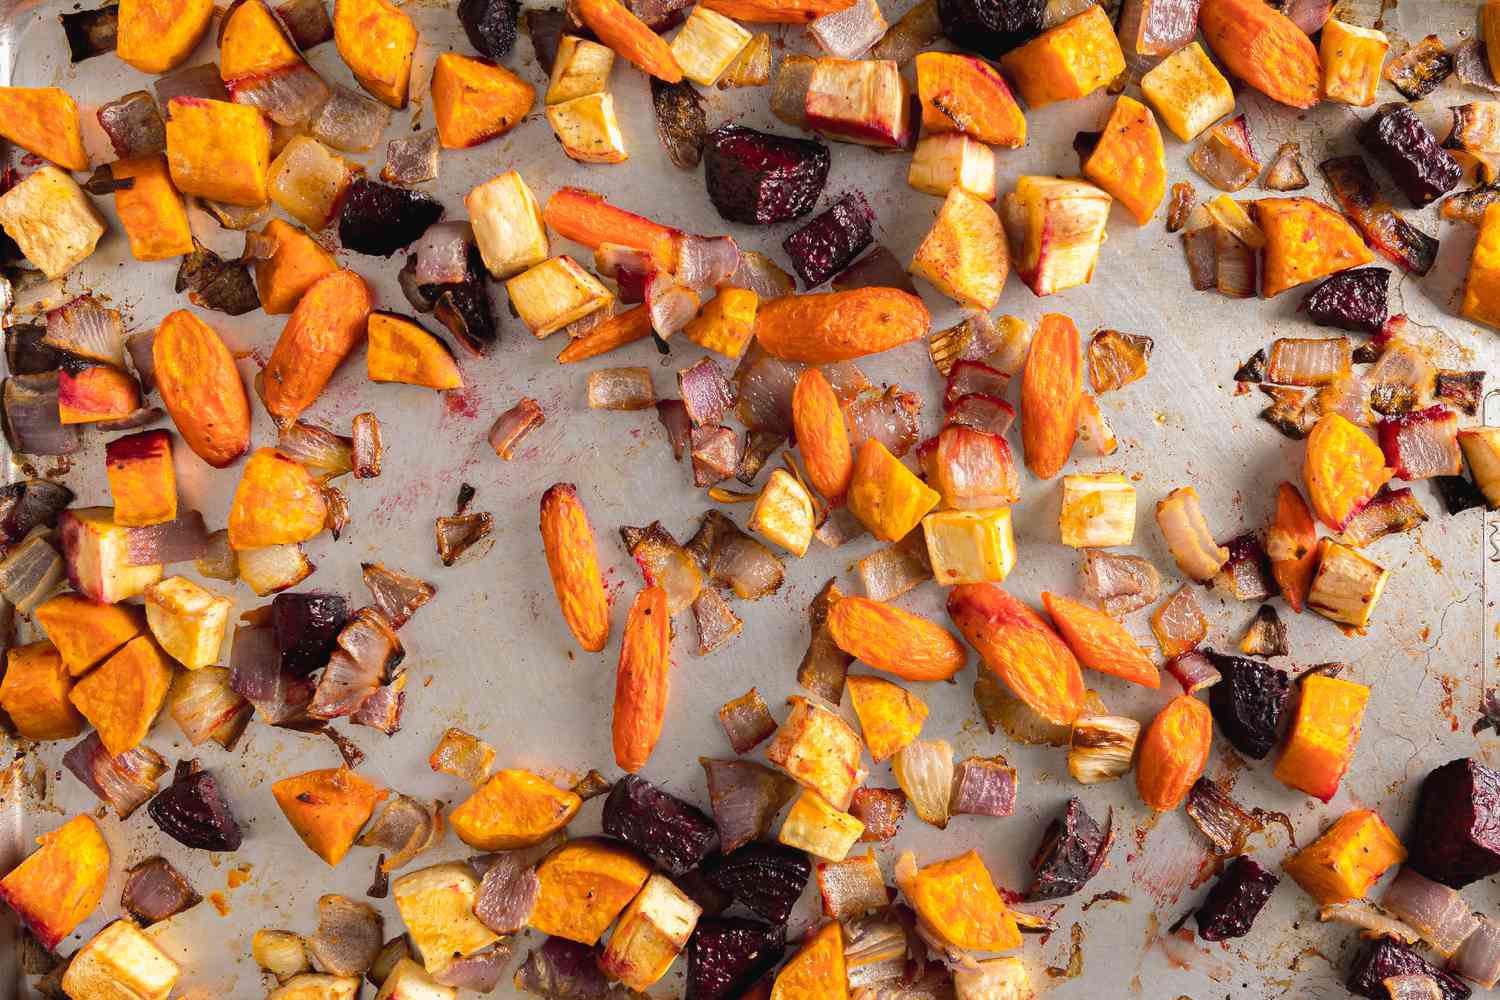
[585, 217]
[776, 11]
[822, 434]
[631, 39]
[617, 331]
[641, 681]
[1173, 752]
[1021, 649]
[1292, 544]
[1100, 642]
[1051, 393]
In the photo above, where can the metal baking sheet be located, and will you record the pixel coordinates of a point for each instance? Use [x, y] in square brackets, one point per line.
[490, 653]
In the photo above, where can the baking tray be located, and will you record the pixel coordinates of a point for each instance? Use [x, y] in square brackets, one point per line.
[490, 653]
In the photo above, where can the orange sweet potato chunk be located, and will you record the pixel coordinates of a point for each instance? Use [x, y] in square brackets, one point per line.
[1265, 48]
[44, 121]
[1323, 736]
[151, 210]
[1069, 61]
[1130, 161]
[889, 716]
[1292, 544]
[474, 100]
[124, 694]
[62, 883]
[1100, 642]
[324, 328]
[35, 691]
[1021, 649]
[85, 631]
[277, 503]
[965, 94]
[1346, 859]
[142, 480]
[377, 40]
[513, 809]
[157, 36]
[201, 388]
[817, 971]
[585, 884]
[402, 350]
[1305, 240]
[957, 900]
[252, 43]
[327, 808]
[297, 263]
[1343, 469]
[96, 393]
[218, 150]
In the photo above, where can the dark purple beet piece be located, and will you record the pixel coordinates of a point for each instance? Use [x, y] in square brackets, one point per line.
[193, 812]
[766, 878]
[464, 306]
[1235, 900]
[992, 27]
[1072, 851]
[378, 219]
[1351, 300]
[758, 178]
[1456, 839]
[725, 956]
[490, 25]
[676, 835]
[831, 241]
[563, 970]
[1247, 704]
[1385, 957]
[1406, 147]
[306, 627]
[1458, 493]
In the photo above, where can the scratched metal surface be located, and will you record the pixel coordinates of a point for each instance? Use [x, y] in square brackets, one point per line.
[490, 653]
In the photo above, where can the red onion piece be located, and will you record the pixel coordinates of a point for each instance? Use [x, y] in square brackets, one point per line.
[368, 446]
[181, 540]
[218, 561]
[1194, 671]
[761, 275]
[973, 470]
[443, 253]
[348, 936]
[611, 259]
[1434, 910]
[306, 21]
[289, 96]
[851, 887]
[134, 126]
[887, 573]
[705, 392]
[664, 564]
[202, 702]
[202, 80]
[889, 417]
[1119, 584]
[481, 973]
[984, 786]
[382, 710]
[86, 329]
[1373, 922]
[350, 121]
[673, 416]
[30, 572]
[981, 412]
[966, 377]
[745, 798]
[280, 696]
[273, 568]
[28, 503]
[344, 686]
[716, 622]
[1422, 444]
[562, 970]
[125, 781]
[155, 891]
[142, 417]
[322, 452]
[621, 389]
[747, 721]
[1478, 958]
[507, 894]
[396, 594]
[403, 829]
[1202, 248]
[705, 262]
[1309, 15]
[1157, 27]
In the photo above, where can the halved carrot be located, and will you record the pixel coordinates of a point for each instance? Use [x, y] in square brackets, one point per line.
[1100, 642]
[585, 217]
[642, 678]
[1173, 752]
[1019, 648]
[573, 561]
[1292, 543]
[631, 39]
[822, 434]
[617, 331]
[1051, 392]
[327, 324]
[896, 641]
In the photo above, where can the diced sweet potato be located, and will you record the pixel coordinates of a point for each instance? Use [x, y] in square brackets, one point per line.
[96, 552]
[817, 971]
[1051, 393]
[840, 326]
[631, 39]
[377, 40]
[1100, 642]
[34, 693]
[585, 884]
[819, 750]
[124, 694]
[1342, 469]
[60, 884]
[1305, 240]
[51, 220]
[151, 210]
[1292, 542]
[92, 394]
[121, 962]
[885, 495]
[965, 254]
[292, 269]
[474, 100]
[513, 809]
[325, 327]
[141, 478]
[889, 715]
[402, 350]
[1482, 287]
[157, 36]
[84, 631]
[252, 43]
[219, 151]
[1346, 859]
[956, 900]
[201, 388]
[327, 809]
[1129, 161]
[437, 907]
[965, 94]
[1351, 58]
[1070, 61]
[277, 503]
[1021, 649]
[44, 121]
[1265, 48]
[187, 620]
[1323, 735]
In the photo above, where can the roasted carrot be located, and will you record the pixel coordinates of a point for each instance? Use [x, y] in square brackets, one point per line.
[617, 331]
[327, 324]
[1051, 392]
[641, 680]
[585, 217]
[631, 39]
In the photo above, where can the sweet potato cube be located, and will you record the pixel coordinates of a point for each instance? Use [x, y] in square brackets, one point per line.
[513, 809]
[965, 94]
[437, 906]
[726, 323]
[474, 100]
[60, 884]
[44, 121]
[121, 962]
[965, 254]
[814, 826]
[141, 478]
[1070, 61]
[252, 43]
[1129, 161]
[1188, 91]
[84, 631]
[554, 293]
[218, 150]
[35, 691]
[51, 220]
[507, 224]
[187, 620]
[1305, 240]
[151, 210]
[957, 901]
[1264, 48]
[817, 971]
[1482, 287]
[296, 264]
[585, 884]
[92, 394]
[377, 40]
[327, 808]
[818, 749]
[123, 696]
[889, 715]
[652, 932]
[1352, 57]
[970, 546]
[1343, 469]
[885, 495]
[157, 36]
[1346, 859]
[277, 503]
[96, 551]
[402, 350]
[1323, 735]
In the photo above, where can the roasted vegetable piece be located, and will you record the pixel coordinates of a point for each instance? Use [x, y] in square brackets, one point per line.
[96, 551]
[219, 151]
[1173, 752]
[44, 121]
[1352, 57]
[568, 541]
[1072, 851]
[1235, 900]
[35, 690]
[1067, 62]
[94, 393]
[765, 878]
[1323, 735]
[276, 503]
[474, 101]
[193, 811]
[831, 240]
[839, 326]
[513, 809]
[818, 749]
[151, 210]
[1021, 649]
[965, 94]
[142, 482]
[965, 254]
[758, 178]
[1406, 147]
[1188, 91]
[1305, 240]
[1481, 301]
[632, 40]
[652, 931]
[1384, 959]
[1454, 839]
[401, 350]
[1051, 391]
[1362, 200]
[378, 220]
[123, 695]
[187, 620]
[822, 435]
[437, 906]
[889, 716]
[201, 388]
[1263, 47]
[586, 218]
[814, 826]
[885, 495]
[60, 884]
[817, 970]
[641, 681]
[1129, 160]
[120, 961]
[585, 884]
[376, 40]
[1351, 300]
[1343, 469]
[1247, 703]
[896, 641]
[327, 809]
[665, 828]
[490, 25]
[1346, 859]
[1100, 642]
[295, 265]
[51, 221]
[957, 902]
[992, 28]
[327, 324]
[84, 631]
[727, 955]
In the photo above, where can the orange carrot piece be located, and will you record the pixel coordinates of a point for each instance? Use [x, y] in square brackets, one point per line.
[641, 681]
[1100, 642]
[776, 11]
[1021, 649]
[1292, 543]
[1051, 392]
[631, 39]
[822, 434]
[617, 331]
[585, 217]
[1173, 752]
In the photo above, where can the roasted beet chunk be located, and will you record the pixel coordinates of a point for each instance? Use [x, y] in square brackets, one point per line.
[464, 306]
[766, 878]
[1247, 704]
[193, 812]
[490, 25]
[563, 970]
[1235, 900]
[1406, 147]
[1457, 836]
[1351, 300]
[677, 835]
[831, 241]
[758, 178]
[1385, 957]
[378, 219]
[726, 956]
[992, 27]
[1072, 851]
[306, 627]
